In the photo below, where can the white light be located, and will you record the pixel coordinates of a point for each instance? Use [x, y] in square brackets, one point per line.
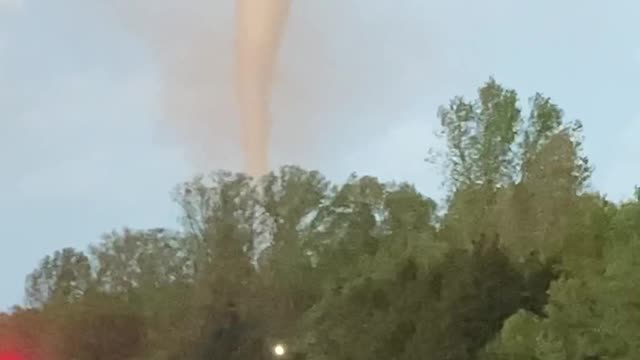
[278, 350]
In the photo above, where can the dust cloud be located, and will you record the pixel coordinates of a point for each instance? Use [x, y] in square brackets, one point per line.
[332, 75]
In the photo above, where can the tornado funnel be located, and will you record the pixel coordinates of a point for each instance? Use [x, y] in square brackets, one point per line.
[259, 27]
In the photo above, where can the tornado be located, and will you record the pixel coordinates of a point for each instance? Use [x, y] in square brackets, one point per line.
[259, 28]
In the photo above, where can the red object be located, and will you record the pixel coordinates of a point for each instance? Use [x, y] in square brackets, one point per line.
[10, 356]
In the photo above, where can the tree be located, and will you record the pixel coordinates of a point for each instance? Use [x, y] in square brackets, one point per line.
[224, 218]
[153, 271]
[26, 333]
[516, 176]
[61, 278]
[480, 136]
[220, 213]
[592, 312]
[449, 309]
[523, 264]
[489, 142]
[142, 259]
[291, 201]
[101, 327]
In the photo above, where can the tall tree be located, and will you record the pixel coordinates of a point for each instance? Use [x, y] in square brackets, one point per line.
[142, 258]
[152, 270]
[63, 277]
[509, 174]
[221, 216]
[220, 211]
[480, 136]
[291, 200]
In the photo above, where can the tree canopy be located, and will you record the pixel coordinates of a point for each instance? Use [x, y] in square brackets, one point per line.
[522, 261]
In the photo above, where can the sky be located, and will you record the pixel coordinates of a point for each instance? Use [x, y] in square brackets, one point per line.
[85, 145]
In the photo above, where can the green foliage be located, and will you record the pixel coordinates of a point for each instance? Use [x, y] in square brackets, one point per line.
[490, 143]
[61, 278]
[365, 269]
[592, 311]
[101, 327]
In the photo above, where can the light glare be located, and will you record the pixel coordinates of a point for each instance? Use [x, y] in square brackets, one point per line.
[278, 350]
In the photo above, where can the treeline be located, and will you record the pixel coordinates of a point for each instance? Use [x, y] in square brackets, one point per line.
[524, 262]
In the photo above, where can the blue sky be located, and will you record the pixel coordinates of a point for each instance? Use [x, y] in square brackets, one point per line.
[85, 146]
